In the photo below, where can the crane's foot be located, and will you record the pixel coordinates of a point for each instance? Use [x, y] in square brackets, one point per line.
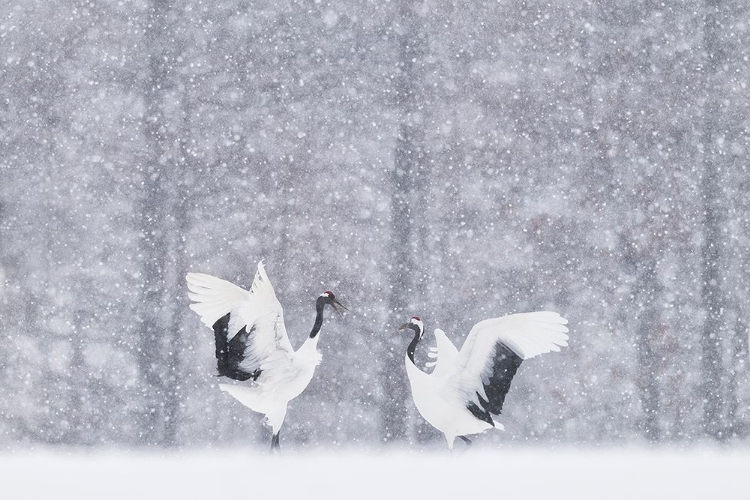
[275, 443]
[467, 441]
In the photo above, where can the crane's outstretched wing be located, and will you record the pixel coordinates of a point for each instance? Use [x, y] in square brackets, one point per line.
[493, 351]
[445, 353]
[248, 325]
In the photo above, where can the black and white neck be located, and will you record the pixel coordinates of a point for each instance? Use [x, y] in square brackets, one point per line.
[417, 326]
[319, 306]
[325, 298]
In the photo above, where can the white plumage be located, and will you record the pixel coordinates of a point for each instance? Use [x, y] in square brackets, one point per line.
[252, 346]
[444, 353]
[467, 388]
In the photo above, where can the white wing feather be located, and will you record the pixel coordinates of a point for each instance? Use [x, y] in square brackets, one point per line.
[445, 353]
[526, 334]
[258, 310]
[213, 297]
[263, 313]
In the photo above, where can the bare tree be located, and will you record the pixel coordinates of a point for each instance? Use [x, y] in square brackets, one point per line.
[646, 293]
[738, 374]
[711, 290]
[155, 237]
[407, 189]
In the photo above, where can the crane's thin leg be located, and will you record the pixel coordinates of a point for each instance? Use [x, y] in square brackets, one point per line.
[467, 441]
[275, 442]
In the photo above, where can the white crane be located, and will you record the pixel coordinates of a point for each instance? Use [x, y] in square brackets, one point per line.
[467, 388]
[252, 346]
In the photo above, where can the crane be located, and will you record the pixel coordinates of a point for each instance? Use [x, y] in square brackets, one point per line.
[252, 346]
[468, 387]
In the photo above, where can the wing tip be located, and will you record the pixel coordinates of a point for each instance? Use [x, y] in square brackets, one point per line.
[540, 332]
[559, 318]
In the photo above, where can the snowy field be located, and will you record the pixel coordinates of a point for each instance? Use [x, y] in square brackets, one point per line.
[526, 473]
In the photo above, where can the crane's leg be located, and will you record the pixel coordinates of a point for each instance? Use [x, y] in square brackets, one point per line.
[276, 419]
[450, 439]
[466, 440]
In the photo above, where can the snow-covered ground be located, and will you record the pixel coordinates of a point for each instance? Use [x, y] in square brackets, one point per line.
[526, 473]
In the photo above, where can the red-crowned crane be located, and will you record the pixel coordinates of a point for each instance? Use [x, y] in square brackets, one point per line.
[252, 346]
[468, 387]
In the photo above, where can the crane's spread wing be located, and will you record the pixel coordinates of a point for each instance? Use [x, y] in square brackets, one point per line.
[444, 354]
[248, 325]
[493, 351]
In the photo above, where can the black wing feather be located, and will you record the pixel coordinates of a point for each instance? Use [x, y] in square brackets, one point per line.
[505, 363]
[230, 354]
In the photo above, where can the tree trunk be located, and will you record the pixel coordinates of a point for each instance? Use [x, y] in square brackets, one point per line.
[181, 221]
[711, 293]
[646, 290]
[407, 186]
[154, 241]
[647, 354]
[738, 378]
[78, 381]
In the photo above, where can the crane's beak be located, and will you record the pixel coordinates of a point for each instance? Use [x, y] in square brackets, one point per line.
[336, 305]
[402, 327]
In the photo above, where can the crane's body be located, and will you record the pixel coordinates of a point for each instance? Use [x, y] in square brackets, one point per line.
[252, 346]
[271, 395]
[467, 388]
[444, 410]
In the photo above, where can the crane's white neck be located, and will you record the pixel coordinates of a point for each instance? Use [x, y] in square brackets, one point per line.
[308, 352]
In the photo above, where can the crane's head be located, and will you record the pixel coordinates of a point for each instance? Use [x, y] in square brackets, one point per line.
[328, 298]
[415, 324]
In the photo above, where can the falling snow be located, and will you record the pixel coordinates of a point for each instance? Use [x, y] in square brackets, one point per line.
[453, 160]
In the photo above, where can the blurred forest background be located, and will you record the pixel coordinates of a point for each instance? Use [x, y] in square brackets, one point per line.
[452, 160]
